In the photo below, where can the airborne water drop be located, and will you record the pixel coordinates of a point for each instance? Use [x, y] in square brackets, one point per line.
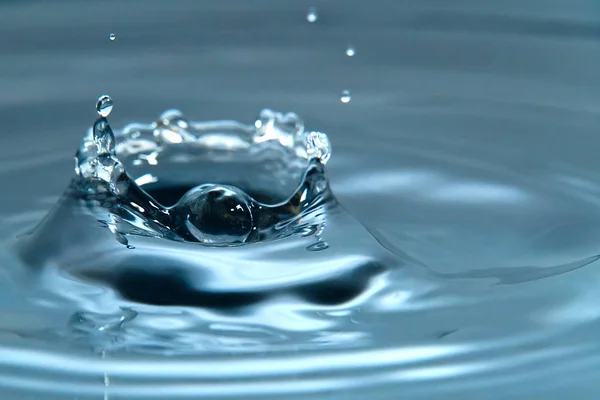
[104, 105]
[345, 97]
[312, 15]
[112, 37]
[350, 51]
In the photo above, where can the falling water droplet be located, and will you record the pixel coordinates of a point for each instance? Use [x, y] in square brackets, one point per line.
[345, 97]
[104, 105]
[112, 37]
[350, 51]
[312, 15]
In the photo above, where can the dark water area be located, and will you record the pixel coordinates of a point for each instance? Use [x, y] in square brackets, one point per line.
[461, 236]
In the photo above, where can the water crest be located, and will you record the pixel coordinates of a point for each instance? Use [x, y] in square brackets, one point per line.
[216, 221]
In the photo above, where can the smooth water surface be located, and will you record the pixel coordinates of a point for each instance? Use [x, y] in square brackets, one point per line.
[461, 261]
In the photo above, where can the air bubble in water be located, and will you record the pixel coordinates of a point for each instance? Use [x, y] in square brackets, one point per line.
[104, 105]
[350, 51]
[312, 15]
[112, 37]
[345, 97]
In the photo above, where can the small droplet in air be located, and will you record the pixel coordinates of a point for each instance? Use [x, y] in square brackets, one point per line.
[104, 105]
[345, 97]
[350, 51]
[112, 37]
[312, 15]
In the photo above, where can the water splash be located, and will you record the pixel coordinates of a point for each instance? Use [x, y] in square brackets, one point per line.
[141, 223]
[212, 214]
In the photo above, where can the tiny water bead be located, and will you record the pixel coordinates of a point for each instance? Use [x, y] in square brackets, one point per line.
[112, 37]
[345, 97]
[312, 15]
[104, 105]
[350, 51]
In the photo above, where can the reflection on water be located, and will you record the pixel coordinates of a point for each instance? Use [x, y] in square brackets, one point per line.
[461, 262]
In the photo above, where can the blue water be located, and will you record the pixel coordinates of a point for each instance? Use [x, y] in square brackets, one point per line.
[465, 166]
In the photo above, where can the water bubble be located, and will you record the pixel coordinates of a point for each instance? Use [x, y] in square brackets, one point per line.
[350, 51]
[312, 15]
[112, 36]
[345, 97]
[104, 105]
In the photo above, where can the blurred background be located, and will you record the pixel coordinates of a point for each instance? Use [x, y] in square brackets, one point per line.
[422, 69]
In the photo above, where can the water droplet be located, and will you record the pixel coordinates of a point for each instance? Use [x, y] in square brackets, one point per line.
[104, 105]
[312, 15]
[214, 214]
[345, 97]
[112, 37]
[350, 51]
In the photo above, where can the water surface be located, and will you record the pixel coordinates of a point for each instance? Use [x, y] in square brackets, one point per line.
[465, 163]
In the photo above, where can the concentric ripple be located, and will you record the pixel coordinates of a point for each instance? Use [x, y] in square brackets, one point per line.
[459, 256]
